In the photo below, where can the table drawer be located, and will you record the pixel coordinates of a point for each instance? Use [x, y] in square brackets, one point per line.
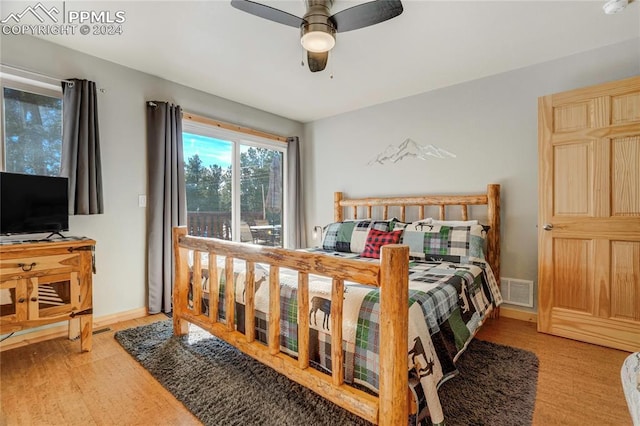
[29, 266]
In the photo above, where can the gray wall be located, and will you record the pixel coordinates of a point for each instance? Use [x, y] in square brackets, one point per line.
[120, 232]
[491, 124]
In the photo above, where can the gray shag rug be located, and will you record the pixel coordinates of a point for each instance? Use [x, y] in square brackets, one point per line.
[221, 385]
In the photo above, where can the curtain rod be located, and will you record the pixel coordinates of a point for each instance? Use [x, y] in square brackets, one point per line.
[11, 67]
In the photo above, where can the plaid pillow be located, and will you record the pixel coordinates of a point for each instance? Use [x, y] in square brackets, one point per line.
[452, 243]
[376, 239]
[330, 239]
[350, 236]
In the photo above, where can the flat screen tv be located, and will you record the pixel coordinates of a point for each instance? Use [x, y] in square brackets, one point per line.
[31, 204]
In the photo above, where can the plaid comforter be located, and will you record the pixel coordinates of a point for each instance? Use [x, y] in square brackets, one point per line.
[447, 303]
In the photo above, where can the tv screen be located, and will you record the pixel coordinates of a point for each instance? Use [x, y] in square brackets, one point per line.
[31, 204]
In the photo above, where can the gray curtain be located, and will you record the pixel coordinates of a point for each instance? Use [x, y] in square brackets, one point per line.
[296, 226]
[166, 204]
[80, 159]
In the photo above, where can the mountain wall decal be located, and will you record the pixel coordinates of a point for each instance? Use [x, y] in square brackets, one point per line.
[410, 149]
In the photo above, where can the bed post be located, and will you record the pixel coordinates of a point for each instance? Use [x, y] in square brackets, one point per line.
[493, 236]
[337, 208]
[180, 282]
[394, 324]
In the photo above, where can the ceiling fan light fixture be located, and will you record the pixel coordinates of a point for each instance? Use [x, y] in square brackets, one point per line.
[614, 6]
[318, 41]
[318, 27]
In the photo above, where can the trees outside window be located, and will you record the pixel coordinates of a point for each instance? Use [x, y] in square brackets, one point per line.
[32, 132]
[208, 187]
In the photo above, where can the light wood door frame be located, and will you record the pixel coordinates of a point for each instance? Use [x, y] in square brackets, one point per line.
[589, 214]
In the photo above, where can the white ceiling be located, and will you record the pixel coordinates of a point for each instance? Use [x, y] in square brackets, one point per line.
[213, 47]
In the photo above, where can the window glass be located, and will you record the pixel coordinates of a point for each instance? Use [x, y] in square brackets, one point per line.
[32, 132]
[261, 195]
[234, 186]
[208, 177]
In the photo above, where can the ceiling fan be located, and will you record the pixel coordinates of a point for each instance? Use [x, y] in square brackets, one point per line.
[318, 28]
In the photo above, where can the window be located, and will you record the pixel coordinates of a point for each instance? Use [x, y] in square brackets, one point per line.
[32, 128]
[235, 185]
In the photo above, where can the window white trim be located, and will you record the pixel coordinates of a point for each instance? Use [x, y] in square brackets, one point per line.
[30, 85]
[238, 139]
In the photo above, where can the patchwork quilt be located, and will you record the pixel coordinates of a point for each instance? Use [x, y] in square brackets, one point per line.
[447, 303]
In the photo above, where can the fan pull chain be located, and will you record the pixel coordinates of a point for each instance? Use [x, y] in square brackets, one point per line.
[330, 59]
[302, 51]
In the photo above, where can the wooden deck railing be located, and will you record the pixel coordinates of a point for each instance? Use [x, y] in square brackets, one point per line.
[209, 224]
[215, 224]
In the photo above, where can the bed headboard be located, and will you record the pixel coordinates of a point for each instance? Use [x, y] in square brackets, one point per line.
[491, 199]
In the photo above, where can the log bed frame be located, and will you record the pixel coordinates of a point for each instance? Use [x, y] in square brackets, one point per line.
[393, 403]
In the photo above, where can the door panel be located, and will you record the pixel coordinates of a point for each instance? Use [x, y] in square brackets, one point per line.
[625, 274]
[572, 117]
[625, 108]
[589, 200]
[625, 176]
[572, 262]
[573, 174]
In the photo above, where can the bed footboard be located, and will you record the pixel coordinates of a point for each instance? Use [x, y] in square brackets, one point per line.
[390, 407]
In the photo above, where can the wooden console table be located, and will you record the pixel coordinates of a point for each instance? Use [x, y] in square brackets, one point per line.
[43, 282]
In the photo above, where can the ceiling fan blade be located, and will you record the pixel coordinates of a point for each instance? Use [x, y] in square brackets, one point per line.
[267, 12]
[317, 61]
[366, 14]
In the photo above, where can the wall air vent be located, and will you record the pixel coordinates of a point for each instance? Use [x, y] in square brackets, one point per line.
[517, 292]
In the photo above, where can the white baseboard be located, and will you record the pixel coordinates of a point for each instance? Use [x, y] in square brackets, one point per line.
[508, 312]
[62, 330]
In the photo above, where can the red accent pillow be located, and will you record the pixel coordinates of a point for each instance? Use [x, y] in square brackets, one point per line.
[376, 239]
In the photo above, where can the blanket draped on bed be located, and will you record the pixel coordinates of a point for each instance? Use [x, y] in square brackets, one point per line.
[447, 303]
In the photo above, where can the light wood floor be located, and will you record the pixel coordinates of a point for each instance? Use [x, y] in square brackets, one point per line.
[53, 383]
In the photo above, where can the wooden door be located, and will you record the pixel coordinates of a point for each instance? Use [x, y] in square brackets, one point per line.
[589, 214]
